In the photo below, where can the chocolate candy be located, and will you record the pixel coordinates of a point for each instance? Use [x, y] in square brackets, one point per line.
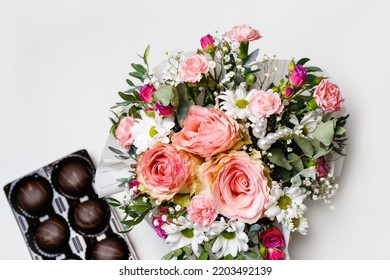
[90, 217]
[73, 177]
[33, 196]
[111, 248]
[52, 235]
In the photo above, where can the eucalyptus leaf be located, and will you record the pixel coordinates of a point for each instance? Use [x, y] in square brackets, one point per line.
[295, 161]
[296, 181]
[279, 158]
[304, 144]
[167, 95]
[325, 132]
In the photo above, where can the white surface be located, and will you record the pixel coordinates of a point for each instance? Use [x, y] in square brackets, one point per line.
[62, 63]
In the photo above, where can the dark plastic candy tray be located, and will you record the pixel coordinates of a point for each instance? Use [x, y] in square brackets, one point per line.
[60, 215]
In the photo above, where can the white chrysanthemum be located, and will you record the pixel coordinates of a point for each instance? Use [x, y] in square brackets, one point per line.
[235, 103]
[148, 131]
[183, 232]
[286, 203]
[231, 238]
[308, 123]
[299, 224]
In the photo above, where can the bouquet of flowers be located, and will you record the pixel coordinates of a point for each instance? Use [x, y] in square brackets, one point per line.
[227, 147]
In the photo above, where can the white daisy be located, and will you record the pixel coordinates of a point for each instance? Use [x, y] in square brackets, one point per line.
[235, 103]
[286, 203]
[298, 223]
[308, 123]
[183, 232]
[231, 238]
[150, 130]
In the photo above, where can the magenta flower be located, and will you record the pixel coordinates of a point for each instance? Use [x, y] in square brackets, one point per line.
[146, 92]
[165, 111]
[298, 76]
[207, 43]
[157, 223]
[272, 238]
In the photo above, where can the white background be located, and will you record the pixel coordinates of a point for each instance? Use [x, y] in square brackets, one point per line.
[62, 63]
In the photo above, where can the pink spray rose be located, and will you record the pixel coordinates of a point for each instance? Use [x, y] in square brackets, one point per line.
[238, 185]
[207, 43]
[272, 238]
[243, 33]
[192, 68]
[264, 103]
[157, 223]
[298, 76]
[123, 132]
[322, 167]
[202, 210]
[206, 132]
[328, 96]
[164, 171]
[275, 254]
[146, 92]
[164, 110]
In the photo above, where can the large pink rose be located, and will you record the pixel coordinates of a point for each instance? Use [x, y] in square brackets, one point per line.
[264, 103]
[192, 68]
[272, 238]
[207, 132]
[164, 171]
[123, 134]
[202, 210]
[328, 96]
[238, 184]
[243, 33]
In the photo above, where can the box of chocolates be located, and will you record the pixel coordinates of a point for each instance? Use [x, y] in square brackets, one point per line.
[61, 216]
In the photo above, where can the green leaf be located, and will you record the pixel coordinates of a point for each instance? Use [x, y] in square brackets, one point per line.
[139, 68]
[177, 252]
[204, 256]
[167, 95]
[183, 200]
[168, 256]
[116, 151]
[127, 97]
[137, 75]
[325, 132]
[304, 144]
[251, 254]
[313, 69]
[302, 61]
[146, 54]
[295, 161]
[130, 83]
[184, 103]
[340, 131]
[319, 149]
[279, 158]
[228, 257]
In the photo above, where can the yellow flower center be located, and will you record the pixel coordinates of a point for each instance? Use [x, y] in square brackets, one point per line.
[153, 131]
[242, 103]
[284, 202]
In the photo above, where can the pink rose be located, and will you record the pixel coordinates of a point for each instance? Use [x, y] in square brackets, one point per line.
[238, 185]
[298, 76]
[275, 254]
[243, 33]
[164, 171]
[272, 238]
[146, 92]
[264, 103]
[192, 68]
[202, 210]
[328, 96]
[123, 134]
[164, 110]
[206, 132]
[207, 43]
[322, 167]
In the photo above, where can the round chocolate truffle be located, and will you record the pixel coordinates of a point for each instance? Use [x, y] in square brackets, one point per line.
[34, 196]
[73, 177]
[90, 217]
[111, 248]
[52, 235]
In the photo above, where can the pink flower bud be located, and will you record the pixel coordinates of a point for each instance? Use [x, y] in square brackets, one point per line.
[275, 254]
[207, 43]
[298, 76]
[288, 92]
[165, 110]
